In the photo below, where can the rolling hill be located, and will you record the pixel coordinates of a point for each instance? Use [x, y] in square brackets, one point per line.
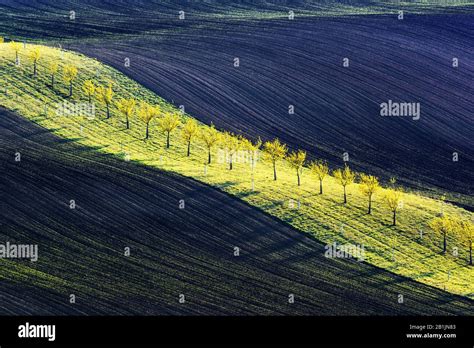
[401, 249]
[337, 109]
[173, 251]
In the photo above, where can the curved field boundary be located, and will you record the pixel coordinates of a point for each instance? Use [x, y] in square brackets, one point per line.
[173, 251]
[399, 249]
[337, 109]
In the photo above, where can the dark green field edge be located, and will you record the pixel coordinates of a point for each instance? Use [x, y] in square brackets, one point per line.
[173, 251]
[97, 19]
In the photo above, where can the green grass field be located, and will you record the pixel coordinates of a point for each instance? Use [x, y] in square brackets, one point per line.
[399, 249]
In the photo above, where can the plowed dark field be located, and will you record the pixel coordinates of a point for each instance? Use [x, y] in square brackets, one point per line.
[173, 251]
[337, 109]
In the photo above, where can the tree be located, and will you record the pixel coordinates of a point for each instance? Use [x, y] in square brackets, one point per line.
[146, 113]
[231, 144]
[445, 225]
[35, 55]
[465, 230]
[252, 148]
[274, 151]
[89, 88]
[168, 123]
[321, 170]
[296, 161]
[16, 46]
[190, 130]
[345, 177]
[126, 107]
[210, 136]
[369, 184]
[69, 75]
[393, 198]
[105, 96]
[53, 69]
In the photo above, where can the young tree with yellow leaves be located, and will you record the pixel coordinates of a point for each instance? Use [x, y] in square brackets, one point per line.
[393, 199]
[35, 55]
[189, 131]
[369, 184]
[275, 151]
[321, 170]
[210, 136]
[345, 177]
[89, 89]
[16, 46]
[105, 96]
[296, 161]
[231, 144]
[253, 149]
[168, 123]
[465, 230]
[146, 113]
[69, 75]
[445, 225]
[126, 107]
[53, 69]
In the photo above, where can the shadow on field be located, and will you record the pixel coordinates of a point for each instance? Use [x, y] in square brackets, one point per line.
[226, 257]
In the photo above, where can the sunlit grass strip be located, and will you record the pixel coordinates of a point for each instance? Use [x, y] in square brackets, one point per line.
[397, 248]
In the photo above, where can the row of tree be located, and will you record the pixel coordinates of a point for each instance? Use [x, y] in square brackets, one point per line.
[273, 151]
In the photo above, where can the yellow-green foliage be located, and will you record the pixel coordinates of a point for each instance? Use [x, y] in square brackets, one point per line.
[369, 184]
[105, 96]
[127, 108]
[411, 248]
[275, 151]
[321, 169]
[168, 123]
[189, 131]
[296, 160]
[89, 89]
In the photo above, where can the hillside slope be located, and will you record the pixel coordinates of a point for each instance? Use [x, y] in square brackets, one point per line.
[337, 109]
[411, 248]
[173, 251]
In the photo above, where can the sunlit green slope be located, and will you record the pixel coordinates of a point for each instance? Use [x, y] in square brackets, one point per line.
[402, 249]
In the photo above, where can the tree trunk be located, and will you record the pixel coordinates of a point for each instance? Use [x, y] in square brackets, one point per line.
[298, 175]
[274, 171]
[444, 242]
[345, 196]
[34, 69]
[146, 137]
[70, 89]
[320, 187]
[470, 253]
[189, 148]
[394, 223]
[370, 205]
[209, 156]
[168, 140]
[230, 162]
[127, 122]
[108, 110]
